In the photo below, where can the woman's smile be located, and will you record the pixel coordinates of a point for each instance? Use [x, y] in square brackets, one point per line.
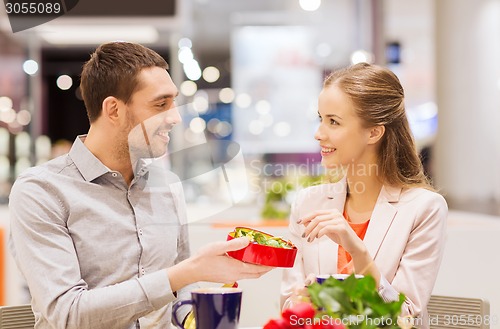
[326, 151]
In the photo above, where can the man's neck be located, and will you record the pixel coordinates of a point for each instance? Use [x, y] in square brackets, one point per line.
[113, 156]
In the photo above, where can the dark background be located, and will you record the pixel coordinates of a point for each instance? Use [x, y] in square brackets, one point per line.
[66, 117]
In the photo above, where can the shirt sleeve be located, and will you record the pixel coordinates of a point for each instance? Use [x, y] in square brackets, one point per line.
[44, 252]
[184, 253]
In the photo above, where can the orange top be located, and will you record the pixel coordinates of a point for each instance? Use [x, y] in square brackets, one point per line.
[344, 262]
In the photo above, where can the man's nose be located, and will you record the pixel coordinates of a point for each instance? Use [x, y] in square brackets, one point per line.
[173, 116]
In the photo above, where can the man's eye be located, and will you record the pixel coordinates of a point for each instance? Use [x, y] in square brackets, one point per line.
[168, 104]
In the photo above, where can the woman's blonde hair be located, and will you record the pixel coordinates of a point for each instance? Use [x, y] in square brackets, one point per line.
[378, 98]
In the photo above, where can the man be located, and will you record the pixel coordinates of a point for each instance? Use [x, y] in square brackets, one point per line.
[100, 234]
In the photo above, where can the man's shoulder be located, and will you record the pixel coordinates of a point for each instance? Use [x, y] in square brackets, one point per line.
[43, 171]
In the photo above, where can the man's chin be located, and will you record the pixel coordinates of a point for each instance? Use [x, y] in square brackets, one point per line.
[157, 153]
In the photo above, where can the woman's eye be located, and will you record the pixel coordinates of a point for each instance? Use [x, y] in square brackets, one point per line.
[333, 122]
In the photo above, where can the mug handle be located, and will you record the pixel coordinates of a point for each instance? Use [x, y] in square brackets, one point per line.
[174, 311]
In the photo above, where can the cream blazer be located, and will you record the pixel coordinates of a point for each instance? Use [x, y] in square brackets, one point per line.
[405, 237]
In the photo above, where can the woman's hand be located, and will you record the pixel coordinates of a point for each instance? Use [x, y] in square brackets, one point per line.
[331, 223]
[300, 294]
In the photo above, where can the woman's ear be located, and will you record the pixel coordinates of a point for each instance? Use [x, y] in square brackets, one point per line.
[110, 109]
[376, 134]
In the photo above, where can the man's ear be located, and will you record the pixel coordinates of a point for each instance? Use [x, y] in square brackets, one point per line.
[376, 134]
[110, 109]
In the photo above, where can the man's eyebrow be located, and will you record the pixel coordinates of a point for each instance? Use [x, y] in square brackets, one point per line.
[161, 97]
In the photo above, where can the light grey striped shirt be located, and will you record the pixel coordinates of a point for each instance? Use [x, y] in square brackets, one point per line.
[94, 250]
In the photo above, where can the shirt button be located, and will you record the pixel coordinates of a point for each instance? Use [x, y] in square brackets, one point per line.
[143, 271]
[140, 231]
[114, 174]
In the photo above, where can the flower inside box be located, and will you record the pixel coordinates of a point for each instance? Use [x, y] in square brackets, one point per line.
[353, 303]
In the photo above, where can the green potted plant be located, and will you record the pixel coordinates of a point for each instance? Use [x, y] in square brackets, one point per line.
[276, 206]
[277, 194]
[353, 303]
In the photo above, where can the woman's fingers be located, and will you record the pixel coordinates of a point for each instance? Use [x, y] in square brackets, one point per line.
[305, 220]
[324, 227]
[310, 278]
[319, 222]
[313, 224]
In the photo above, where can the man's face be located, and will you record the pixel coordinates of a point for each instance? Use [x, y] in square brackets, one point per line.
[151, 114]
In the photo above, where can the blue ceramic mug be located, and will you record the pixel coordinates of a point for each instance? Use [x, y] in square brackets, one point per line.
[320, 278]
[214, 308]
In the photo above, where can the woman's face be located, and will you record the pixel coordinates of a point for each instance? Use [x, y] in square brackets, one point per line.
[343, 139]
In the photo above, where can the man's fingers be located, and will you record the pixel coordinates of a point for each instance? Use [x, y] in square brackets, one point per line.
[220, 248]
[255, 268]
[236, 244]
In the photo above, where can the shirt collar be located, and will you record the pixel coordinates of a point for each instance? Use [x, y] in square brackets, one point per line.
[143, 166]
[89, 166]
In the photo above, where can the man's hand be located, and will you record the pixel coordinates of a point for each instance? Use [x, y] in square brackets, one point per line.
[212, 264]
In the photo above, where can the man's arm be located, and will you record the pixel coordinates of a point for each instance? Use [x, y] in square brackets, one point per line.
[44, 251]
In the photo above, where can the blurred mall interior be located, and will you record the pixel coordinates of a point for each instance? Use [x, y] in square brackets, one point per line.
[249, 73]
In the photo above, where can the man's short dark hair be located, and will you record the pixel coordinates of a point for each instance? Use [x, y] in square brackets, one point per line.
[112, 70]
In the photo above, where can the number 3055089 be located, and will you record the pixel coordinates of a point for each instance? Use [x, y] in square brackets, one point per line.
[469, 320]
[33, 8]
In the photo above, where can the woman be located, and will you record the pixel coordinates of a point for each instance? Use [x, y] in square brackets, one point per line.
[382, 218]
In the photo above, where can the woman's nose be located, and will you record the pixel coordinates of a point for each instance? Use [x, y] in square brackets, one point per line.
[318, 135]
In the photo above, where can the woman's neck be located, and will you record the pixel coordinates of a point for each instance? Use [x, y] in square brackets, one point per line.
[362, 194]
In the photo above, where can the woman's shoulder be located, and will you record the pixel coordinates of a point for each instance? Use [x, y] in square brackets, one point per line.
[423, 196]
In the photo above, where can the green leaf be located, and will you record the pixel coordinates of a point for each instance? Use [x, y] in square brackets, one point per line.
[351, 297]
[329, 300]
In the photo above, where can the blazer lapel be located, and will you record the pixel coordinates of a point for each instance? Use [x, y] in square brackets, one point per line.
[382, 218]
[328, 250]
